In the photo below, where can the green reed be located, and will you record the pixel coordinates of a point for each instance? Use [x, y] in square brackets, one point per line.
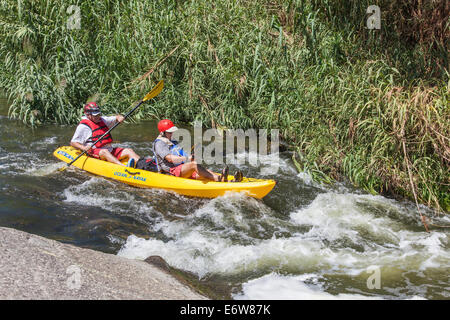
[347, 99]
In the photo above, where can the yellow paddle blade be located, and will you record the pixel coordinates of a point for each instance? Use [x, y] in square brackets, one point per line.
[155, 91]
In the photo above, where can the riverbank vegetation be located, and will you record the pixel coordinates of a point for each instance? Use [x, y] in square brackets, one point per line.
[371, 105]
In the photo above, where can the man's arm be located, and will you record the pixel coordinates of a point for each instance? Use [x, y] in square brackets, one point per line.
[175, 159]
[112, 120]
[79, 146]
[82, 133]
[163, 152]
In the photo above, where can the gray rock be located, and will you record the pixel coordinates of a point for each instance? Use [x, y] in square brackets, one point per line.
[33, 267]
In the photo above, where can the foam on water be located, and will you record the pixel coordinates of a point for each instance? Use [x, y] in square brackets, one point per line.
[44, 169]
[336, 234]
[264, 163]
[28, 163]
[344, 221]
[278, 287]
[304, 287]
[307, 179]
[19, 163]
[105, 194]
[44, 142]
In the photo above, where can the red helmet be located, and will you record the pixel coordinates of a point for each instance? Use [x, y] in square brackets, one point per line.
[166, 125]
[92, 108]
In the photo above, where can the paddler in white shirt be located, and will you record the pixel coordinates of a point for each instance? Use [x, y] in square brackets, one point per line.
[91, 128]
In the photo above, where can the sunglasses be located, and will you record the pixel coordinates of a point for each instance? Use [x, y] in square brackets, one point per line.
[97, 112]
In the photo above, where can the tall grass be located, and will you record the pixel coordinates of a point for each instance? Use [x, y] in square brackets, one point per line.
[348, 100]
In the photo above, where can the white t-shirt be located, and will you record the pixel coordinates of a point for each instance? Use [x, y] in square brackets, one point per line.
[83, 132]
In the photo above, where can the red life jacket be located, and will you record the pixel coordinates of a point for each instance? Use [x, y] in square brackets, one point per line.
[98, 129]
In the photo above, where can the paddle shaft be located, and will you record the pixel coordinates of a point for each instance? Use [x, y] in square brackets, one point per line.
[192, 151]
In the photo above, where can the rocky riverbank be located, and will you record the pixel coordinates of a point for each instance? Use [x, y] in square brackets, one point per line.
[33, 267]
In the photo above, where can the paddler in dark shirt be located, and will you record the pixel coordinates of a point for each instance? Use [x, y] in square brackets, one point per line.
[172, 159]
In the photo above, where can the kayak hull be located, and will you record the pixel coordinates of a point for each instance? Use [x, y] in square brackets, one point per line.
[257, 188]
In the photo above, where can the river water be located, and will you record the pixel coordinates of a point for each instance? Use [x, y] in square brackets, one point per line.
[302, 241]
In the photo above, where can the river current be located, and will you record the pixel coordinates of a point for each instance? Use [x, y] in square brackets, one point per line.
[302, 241]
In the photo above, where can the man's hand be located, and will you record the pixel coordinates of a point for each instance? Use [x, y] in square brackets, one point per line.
[82, 147]
[120, 118]
[89, 150]
[176, 159]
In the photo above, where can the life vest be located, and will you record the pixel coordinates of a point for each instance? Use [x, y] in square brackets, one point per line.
[98, 129]
[174, 149]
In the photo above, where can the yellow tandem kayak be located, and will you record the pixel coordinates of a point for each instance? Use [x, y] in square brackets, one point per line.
[257, 188]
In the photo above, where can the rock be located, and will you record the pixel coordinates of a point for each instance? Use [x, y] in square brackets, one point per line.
[158, 262]
[34, 267]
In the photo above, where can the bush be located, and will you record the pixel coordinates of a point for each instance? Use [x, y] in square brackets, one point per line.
[370, 105]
